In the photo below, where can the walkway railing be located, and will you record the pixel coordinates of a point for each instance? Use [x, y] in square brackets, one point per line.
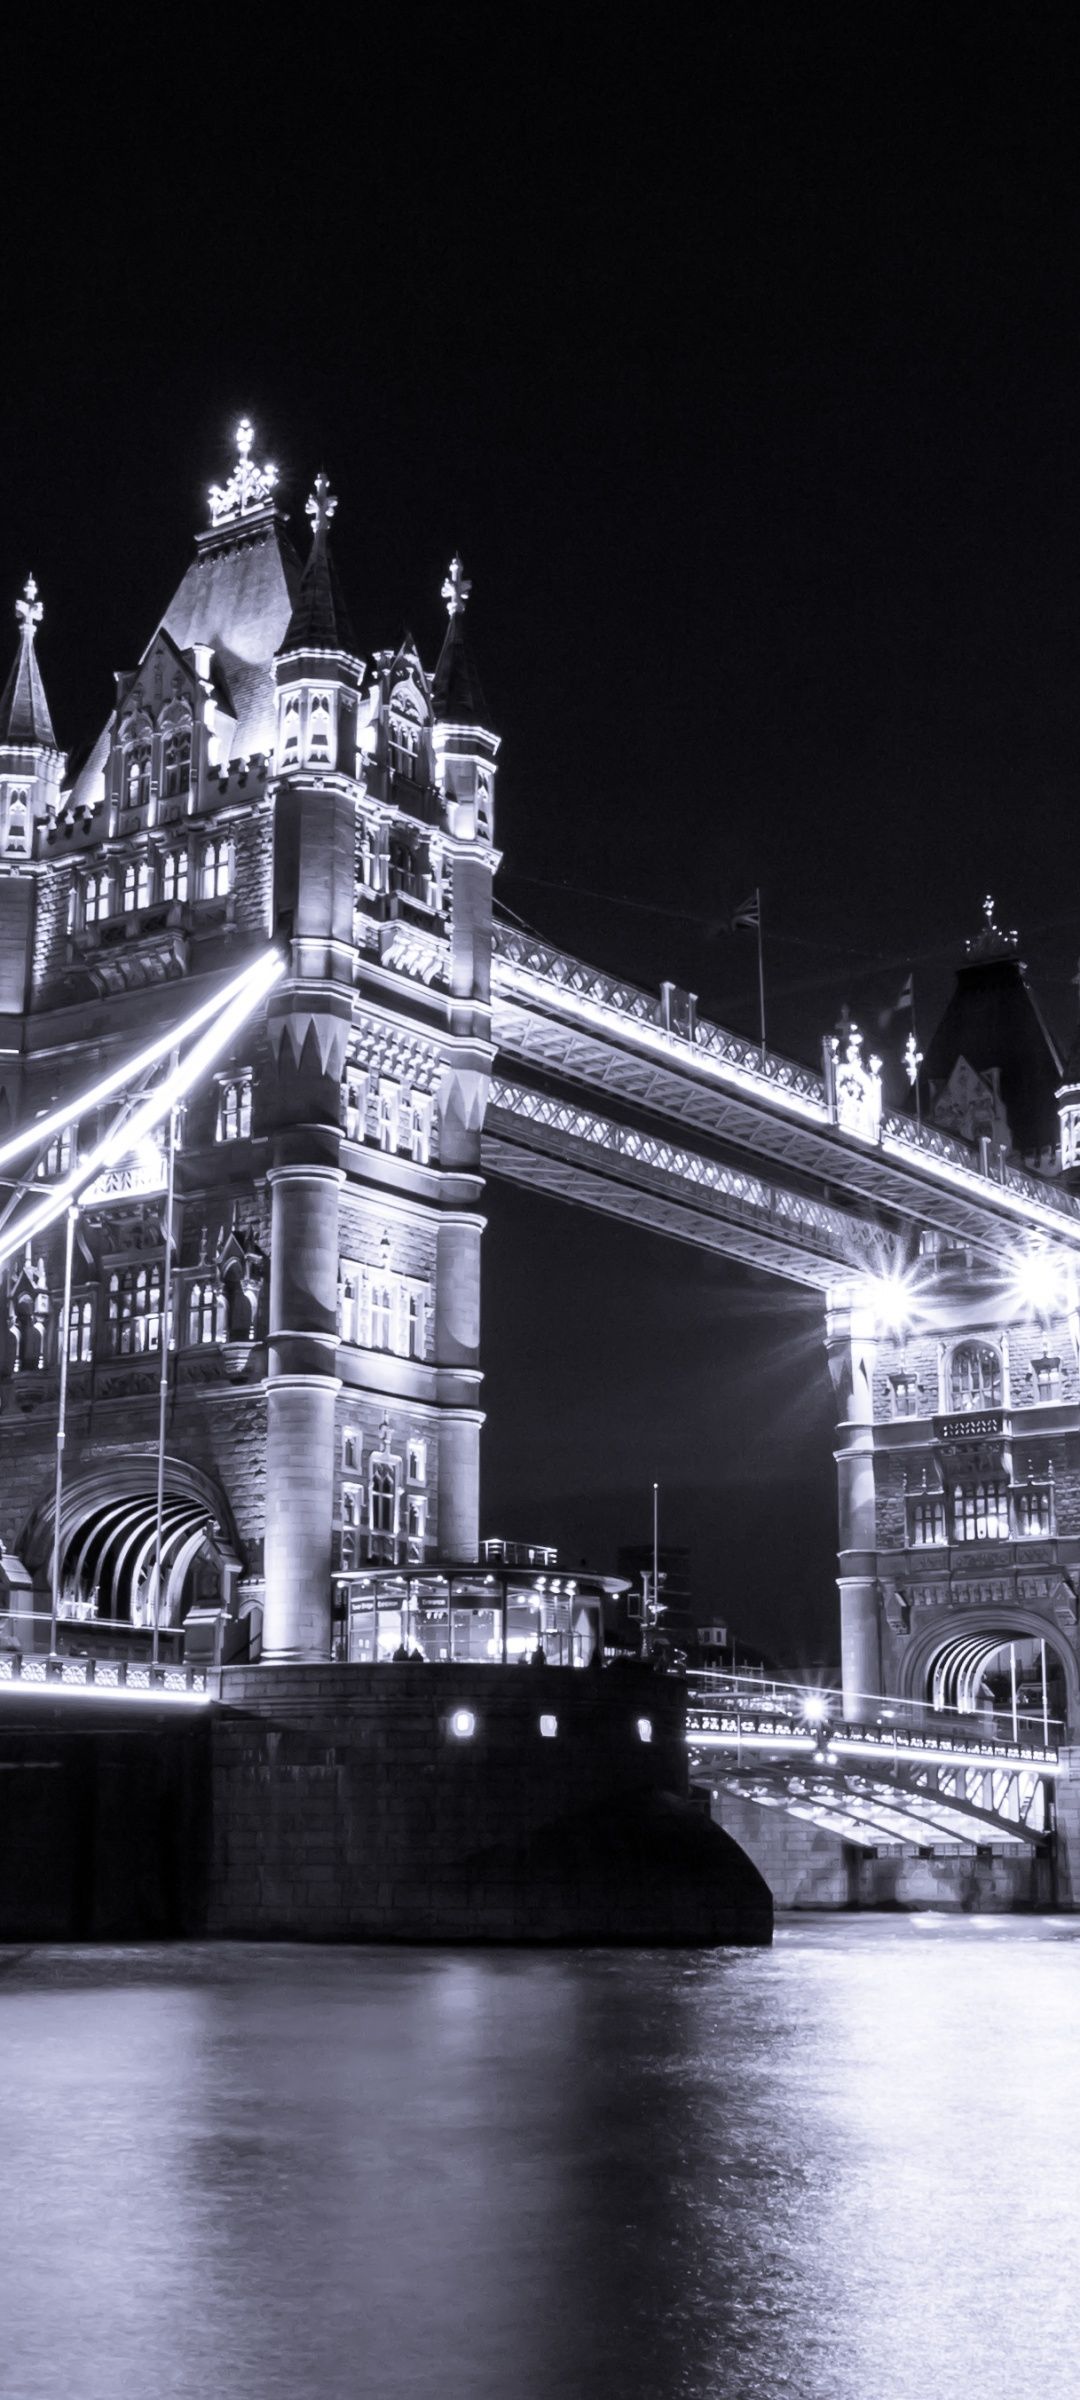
[119, 1676]
[814, 1705]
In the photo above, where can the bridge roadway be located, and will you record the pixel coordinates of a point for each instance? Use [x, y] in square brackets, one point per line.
[917, 1778]
[629, 1103]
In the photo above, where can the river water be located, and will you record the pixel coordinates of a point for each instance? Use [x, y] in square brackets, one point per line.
[843, 2169]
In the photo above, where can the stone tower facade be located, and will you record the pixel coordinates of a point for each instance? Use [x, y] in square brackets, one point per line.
[958, 1394]
[258, 780]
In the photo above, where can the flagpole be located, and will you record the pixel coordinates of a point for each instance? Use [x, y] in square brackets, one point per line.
[761, 974]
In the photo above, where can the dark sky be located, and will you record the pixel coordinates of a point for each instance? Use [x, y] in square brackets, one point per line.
[739, 354]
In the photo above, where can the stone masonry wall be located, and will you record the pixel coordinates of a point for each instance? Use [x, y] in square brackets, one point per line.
[344, 1808]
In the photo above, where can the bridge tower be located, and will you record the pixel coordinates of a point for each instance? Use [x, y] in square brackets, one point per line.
[257, 778]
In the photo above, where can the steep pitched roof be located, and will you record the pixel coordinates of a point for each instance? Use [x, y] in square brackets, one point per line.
[320, 619]
[24, 710]
[457, 692]
[994, 1022]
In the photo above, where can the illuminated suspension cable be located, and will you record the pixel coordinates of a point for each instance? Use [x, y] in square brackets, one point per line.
[119, 1141]
[42, 1130]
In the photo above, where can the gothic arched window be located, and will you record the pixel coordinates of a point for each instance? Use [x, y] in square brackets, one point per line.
[215, 875]
[136, 788]
[81, 1333]
[96, 898]
[382, 1316]
[205, 1316]
[174, 875]
[318, 745]
[135, 1311]
[975, 1380]
[383, 1506]
[176, 763]
[18, 821]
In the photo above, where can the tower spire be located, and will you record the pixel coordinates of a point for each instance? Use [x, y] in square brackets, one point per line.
[457, 694]
[24, 710]
[320, 619]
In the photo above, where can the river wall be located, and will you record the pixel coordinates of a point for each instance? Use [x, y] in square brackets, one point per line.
[346, 1807]
[340, 1804]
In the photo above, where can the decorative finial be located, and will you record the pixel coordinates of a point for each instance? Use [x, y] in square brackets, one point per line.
[992, 941]
[321, 506]
[456, 588]
[248, 488]
[29, 610]
[913, 1059]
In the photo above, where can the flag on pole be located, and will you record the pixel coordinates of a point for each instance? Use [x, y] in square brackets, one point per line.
[747, 918]
[904, 1003]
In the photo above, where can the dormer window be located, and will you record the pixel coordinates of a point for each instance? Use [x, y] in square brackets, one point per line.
[176, 764]
[136, 786]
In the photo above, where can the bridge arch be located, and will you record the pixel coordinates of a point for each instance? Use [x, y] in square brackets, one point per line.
[108, 1540]
[945, 1664]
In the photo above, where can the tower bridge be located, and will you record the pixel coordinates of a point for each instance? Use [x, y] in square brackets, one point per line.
[301, 1295]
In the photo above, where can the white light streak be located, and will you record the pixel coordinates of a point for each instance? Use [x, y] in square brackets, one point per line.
[39, 1134]
[122, 1140]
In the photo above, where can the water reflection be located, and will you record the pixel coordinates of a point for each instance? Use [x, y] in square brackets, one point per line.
[837, 2169]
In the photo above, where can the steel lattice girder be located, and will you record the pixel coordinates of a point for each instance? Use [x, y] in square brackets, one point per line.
[537, 1027]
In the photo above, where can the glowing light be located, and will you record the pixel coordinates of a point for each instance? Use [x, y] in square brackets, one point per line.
[890, 1299]
[40, 1133]
[463, 1724]
[122, 1140]
[644, 1726]
[815, 1709]
[549, 1727]
[1038, 1283]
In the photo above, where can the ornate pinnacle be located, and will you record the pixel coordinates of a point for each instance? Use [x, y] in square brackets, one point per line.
[321, 506]
[29, 610]
[456, 588]
[248, 488]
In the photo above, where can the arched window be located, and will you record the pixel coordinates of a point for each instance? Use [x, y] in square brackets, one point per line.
[135, 1311]
[382, 1316]
[981, 1512]
[290, 730]
[81, 1333]
[215, 872]
[234, 1109]
[18, 821]
[136, 787]
[58, 1157]
[206, 1313]
[96, 898]
[417, 1460]
[974, 1378]
[389, 1107]
[383, 1505]
[176, 763]
[347, 1306]
[318, 748]
[174, 875]
[416, 1324]
[129, 886]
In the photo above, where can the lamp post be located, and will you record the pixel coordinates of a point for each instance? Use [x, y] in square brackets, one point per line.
[61, 1425]
[163, 1392]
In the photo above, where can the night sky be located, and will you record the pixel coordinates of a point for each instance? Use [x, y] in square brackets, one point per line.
[741, 360]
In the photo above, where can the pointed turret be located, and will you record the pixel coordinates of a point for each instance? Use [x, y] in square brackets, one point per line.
[992, 1069]
[24, 710]
[465, 749]
[30, 763]
[317, 671]
[456, 692]
[320, 619]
